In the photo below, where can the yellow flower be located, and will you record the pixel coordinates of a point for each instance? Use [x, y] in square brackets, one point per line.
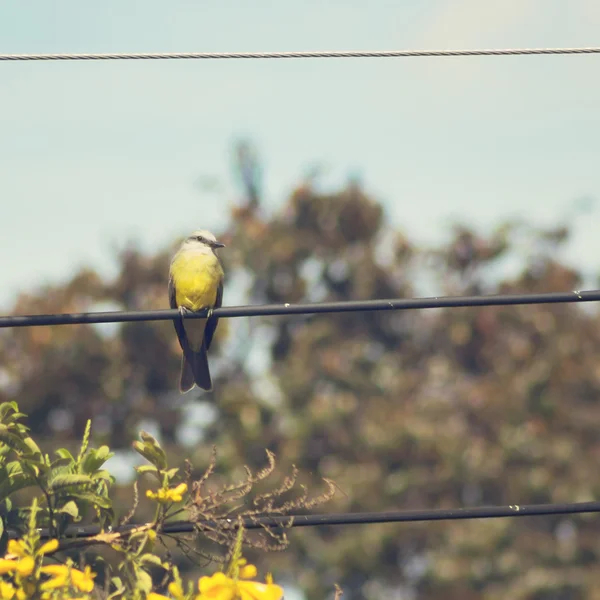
[55, 569]
[7, 591]
[254, 590]
[49, 546]
[25, 566]
[83, 581]
[17, 547]
[57, 582]
[176, 591]
[221, 587]
[217, 587]
[23, 594]
[177, 493]
[7, 566]
[171, 495]
[248, 572]
[60, 574]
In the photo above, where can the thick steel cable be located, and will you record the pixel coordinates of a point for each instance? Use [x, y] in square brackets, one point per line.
[297, 309]
[303, 54]
[365, 518]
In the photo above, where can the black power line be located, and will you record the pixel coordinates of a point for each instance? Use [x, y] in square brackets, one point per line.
[297, 309]
[365, 518]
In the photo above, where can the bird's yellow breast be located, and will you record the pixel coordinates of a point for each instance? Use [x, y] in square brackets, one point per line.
[196, 276]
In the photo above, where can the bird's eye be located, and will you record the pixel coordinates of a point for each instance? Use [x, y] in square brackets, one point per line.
[200, 238]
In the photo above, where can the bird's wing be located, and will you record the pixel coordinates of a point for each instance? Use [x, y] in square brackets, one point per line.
[172, 293]
[177, 321]
[211, 325]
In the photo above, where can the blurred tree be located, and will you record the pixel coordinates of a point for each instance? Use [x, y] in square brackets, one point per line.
[403, 410]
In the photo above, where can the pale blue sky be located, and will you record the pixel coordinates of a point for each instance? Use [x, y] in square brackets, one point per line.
[95, 154]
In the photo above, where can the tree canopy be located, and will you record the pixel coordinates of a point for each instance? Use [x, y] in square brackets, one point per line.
[402, 409]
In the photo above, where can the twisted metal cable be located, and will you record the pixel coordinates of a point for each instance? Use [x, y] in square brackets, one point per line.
[302, 54]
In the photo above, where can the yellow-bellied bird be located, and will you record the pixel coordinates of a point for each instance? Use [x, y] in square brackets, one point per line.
[195, 284]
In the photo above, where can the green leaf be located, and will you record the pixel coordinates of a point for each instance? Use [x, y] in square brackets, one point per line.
[92, 498]
[12, 440]
[144, 581]
[152, 441]
[103, 475]
[70, 508]
[62, 463]
[152, 454]
[148, 437]
[119, 588]
[6, 408]
[94, 459]
[150, 559]
[64, 453]
[30, 468]
[104, 453]
[57, 472]
[32, 446]
[65, 480]
[14, 467]
[149, 469]
[146, 469]
[172, 472]
[138, 535]
[12, 478]
[15, 483]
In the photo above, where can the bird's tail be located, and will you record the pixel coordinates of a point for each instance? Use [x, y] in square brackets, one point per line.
[194, 370]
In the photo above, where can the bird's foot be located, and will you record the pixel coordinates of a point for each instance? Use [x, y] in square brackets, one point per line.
[184, 312]
[209, 314]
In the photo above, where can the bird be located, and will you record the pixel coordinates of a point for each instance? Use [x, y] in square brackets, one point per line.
[196, 284]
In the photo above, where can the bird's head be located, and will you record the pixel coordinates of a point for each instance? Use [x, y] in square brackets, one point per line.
[202, 237]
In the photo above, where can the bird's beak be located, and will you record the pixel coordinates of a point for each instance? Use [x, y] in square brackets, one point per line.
[218, 245]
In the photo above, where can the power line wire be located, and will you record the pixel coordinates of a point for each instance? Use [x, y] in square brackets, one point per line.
[303, 54]
[297, 309]
[365, 518]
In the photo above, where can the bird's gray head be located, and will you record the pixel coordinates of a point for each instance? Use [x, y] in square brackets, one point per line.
[200, 238]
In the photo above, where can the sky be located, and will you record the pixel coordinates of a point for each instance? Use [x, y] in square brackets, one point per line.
[96, 154]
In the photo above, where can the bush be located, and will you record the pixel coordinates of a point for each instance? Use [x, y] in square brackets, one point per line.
[41, 499]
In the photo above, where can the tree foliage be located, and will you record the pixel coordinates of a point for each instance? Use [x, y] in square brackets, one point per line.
[404, 410]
